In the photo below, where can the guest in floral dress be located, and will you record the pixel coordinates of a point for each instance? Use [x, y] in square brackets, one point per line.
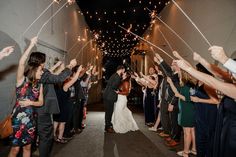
[29, 93]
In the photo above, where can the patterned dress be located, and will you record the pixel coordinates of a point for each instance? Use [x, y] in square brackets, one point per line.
[24, 118]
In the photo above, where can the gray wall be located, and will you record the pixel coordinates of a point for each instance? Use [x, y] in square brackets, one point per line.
[15, 17]
[215, 18]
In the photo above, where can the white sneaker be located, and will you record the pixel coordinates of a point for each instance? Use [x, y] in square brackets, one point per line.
[152, 129]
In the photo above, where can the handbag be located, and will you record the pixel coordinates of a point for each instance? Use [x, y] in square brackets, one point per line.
[6, 127]
[6, 124]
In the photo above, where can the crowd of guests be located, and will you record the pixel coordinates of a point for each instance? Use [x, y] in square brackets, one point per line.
[50, 103]
[200, 101]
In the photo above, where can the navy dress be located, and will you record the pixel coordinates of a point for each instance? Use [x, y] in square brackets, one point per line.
[225, 137]
[62, 98]
[150, 106]
[205, 124]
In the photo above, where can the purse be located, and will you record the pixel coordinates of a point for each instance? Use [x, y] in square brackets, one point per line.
[6, 124]
[6, 127]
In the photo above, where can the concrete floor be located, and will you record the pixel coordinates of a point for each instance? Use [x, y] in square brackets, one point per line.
[93, 142]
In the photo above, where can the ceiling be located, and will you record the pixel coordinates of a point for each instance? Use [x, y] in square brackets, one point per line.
[104, 17]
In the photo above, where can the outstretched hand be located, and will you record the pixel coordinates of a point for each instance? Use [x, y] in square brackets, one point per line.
[79, 69]
[34, 41]
[7, 51]
[182, 65]
[157, 58]
[218, 54]
[196, 57]
[177, 55]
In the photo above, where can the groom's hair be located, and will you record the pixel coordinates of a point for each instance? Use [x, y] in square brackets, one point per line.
[120, 67]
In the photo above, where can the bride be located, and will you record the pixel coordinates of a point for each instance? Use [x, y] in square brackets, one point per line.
[122, 118]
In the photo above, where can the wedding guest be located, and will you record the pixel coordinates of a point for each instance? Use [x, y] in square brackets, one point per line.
[186, 112]
[149, 84]
[44, 120]
[150, 97]
[206, 102]
[78, 106]
[86, 84]
[158, 99]
[168, 105]
[63, 94]
[225, 125]
[29, 93]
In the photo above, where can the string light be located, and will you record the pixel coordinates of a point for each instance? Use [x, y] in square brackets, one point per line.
[126, 40]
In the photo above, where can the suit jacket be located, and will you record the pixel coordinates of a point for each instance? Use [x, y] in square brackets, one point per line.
[167, 92]
[50, 99]
[112, 86]
[79, 93]
[171, 96]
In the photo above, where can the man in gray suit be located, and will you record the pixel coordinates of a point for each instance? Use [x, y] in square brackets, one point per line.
[50, 106]
[110, 96]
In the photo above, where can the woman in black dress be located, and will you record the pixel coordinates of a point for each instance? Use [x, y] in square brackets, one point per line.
[63, 96]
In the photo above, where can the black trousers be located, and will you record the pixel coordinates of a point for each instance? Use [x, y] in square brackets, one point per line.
[78, 114]
[69, 123]
[165, 118]
[109, 107]
[45, 133]
[175, 128]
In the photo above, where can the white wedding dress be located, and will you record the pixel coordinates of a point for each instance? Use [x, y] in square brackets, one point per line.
[122, 118]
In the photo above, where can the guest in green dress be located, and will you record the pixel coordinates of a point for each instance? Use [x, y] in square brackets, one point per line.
[186, 112]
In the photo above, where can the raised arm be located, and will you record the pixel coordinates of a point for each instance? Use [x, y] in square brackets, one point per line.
[215, 70]
[228, 89]
[137, 79]
[50, 78]
[150, 81]
[166, 69]
[59, 69]
[68, 84]
[53, 68]
[174, 89]
[22, 62]
[218, 54]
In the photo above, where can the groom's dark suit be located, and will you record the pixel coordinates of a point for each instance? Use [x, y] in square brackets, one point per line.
[110, 97]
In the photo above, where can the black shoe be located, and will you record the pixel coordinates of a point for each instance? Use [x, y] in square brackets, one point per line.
[110, 130]
[78, 131]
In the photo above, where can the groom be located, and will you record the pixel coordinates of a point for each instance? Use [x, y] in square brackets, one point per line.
[110, 96]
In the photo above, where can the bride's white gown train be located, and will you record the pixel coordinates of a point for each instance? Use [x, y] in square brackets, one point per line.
[122, 118]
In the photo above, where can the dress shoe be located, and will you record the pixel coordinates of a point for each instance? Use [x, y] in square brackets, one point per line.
[172, 143]
[182, 153]
[162, 134]
[110, 130]
[152, 129]
[168, 139]
[78, 131]
[194, 152]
